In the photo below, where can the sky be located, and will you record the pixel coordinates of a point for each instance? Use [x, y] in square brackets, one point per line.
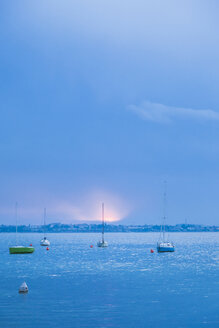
[101, 101]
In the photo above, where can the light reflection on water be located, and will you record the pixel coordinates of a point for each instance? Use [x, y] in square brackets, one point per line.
[73, 285]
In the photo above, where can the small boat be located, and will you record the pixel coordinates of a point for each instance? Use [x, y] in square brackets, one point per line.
[102, 243]
[44, 241]
[163, 245]
[19, 249]
[23, 288]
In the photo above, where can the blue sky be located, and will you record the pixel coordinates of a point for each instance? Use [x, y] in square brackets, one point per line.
[101, 102]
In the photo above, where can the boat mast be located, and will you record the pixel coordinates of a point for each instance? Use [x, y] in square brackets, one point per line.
[44, 221]
[164, 208]
[102, 222]
[16, 221]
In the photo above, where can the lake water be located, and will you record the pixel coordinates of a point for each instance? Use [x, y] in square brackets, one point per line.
[124, 285]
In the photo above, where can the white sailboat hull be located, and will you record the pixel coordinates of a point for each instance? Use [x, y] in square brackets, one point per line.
[102, 244]
[165, 247]
[44, 242]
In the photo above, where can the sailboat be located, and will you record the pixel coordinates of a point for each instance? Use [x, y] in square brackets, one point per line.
[19, 249]
[44, 241]
[102, 243]
[163, 245]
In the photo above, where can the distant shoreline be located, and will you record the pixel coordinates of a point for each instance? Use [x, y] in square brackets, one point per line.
[75, 228]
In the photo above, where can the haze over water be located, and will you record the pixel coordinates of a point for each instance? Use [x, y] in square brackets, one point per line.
[73, 285]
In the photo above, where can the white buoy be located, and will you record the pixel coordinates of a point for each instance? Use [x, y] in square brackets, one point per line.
[23, 288]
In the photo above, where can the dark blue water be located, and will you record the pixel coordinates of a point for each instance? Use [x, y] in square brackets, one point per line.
[73, 285]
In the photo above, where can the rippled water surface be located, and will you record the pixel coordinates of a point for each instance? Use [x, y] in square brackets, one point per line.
[124, 285]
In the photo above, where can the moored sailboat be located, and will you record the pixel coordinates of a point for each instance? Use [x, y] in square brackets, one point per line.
[19, 249]
[163, 245]
[102, 243]
[44, 241]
